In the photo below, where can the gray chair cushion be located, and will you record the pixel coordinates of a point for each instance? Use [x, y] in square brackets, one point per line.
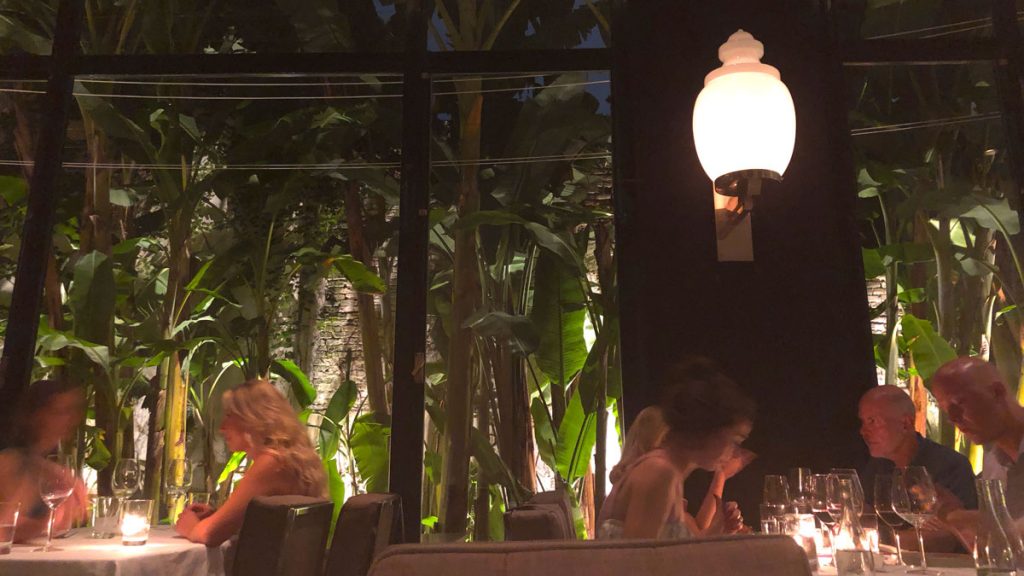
[367, 524]
[725, 556]
[283, 536]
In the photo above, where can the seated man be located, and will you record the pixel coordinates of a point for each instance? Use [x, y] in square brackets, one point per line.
[887, 426]
[972, 393]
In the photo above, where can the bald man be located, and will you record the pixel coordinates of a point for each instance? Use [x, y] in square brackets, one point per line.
[974, 396]
[887, 427]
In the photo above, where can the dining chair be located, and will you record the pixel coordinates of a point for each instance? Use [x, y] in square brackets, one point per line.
[283, 536]
[545, 516]
[367, 524]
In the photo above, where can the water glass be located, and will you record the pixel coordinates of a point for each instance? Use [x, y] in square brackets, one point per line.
[770, 515]
[104, 517]
[8, 522]
[135, 519]
[801, 528]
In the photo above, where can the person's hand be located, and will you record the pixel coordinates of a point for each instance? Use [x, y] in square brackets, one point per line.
[738, 461]
[79, 502]
[733, 518]
[201, 510]
[186, 522]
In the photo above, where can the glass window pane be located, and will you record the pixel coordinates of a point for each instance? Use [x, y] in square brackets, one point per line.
[508, 25]
[916, 19]
[21, 115]
[521, 292]
[938, 208]
[27, 26]
[250, 224]
[235, 26]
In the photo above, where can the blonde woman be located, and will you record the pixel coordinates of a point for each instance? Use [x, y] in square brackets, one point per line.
[259, 421]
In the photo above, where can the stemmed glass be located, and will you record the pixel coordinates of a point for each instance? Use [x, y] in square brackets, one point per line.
[914, 499]
[179, 478]
[56, 483]
[776, 495]
[799, 488]
[885, 511]
[858, 490]
[818, 495]
[127, 478]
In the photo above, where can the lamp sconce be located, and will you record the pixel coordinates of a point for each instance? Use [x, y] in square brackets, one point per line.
[744, 129]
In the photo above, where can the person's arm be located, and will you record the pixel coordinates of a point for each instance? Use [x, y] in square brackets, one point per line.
[712, 504]
[651, 498]
[711, 513]
[226, 521]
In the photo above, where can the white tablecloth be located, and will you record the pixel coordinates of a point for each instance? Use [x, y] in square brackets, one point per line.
[163, 555]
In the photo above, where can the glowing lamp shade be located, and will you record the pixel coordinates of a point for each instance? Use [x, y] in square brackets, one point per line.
[744, 121]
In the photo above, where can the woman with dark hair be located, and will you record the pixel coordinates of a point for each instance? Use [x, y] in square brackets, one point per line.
[50, 413]
[707, 418]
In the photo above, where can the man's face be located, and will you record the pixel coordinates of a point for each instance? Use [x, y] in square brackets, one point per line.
[973, 408]
[882, 428]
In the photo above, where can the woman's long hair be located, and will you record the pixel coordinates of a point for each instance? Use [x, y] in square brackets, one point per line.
[642, 436]
[270, 423]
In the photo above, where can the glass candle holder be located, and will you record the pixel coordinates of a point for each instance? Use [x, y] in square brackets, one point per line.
[135, 515]
[8, 522]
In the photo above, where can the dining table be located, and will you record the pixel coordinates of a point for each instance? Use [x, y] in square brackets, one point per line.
[947, 564]
[164, 554]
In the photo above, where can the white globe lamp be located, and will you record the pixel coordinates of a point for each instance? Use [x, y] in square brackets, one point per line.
[744, 123]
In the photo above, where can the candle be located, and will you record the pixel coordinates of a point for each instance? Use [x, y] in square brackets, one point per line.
[872, 536]
[135, 522]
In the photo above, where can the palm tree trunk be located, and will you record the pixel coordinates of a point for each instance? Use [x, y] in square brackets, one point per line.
[465, 299]
[369, 322]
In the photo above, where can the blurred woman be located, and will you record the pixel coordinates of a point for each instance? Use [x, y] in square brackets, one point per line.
[715, 516]
[50, 413]
[707, 417]
[259, 421]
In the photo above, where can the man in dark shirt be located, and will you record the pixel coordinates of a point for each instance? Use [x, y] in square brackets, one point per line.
[887, 426]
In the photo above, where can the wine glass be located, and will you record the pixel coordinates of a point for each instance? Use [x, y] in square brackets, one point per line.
[776, 496]
[127, 478]
[56, 483]
[799, 480]
[885, 511]
[915, 500]
[179, 478]
[858, 490]
[818, 495]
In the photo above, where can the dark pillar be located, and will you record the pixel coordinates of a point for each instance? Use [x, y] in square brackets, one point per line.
[791, 327]
[37, 232]
[406, 467]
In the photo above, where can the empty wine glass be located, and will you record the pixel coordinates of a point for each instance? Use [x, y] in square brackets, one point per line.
[915, 500]
[127, 478]
[858, 490]
[885, 511]
[799, 488]
[818, 495]
[776, 496]
[56, 483]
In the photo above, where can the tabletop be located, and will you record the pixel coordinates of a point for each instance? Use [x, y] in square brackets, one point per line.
[165, 554]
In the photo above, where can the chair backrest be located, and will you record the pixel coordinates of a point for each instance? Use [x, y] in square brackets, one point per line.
[283, 536]
[726, 556]
[546, 516]
[367, 524]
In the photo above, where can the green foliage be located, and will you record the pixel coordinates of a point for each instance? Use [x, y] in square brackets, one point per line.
[927, 348]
